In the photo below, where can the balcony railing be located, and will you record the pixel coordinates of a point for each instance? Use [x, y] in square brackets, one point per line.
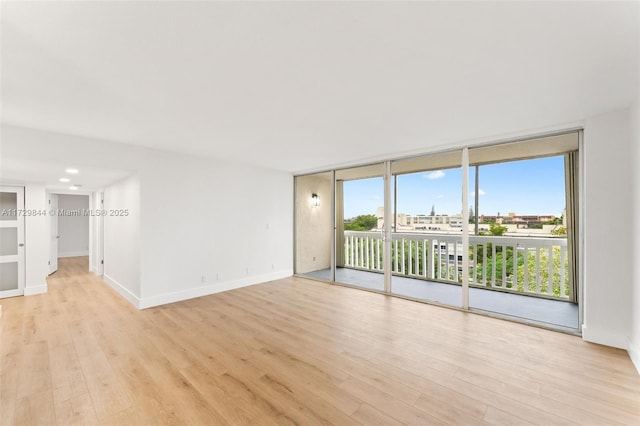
[525, 265]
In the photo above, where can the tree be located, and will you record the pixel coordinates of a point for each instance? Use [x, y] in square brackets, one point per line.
[543, 270]
[472, 216]
[496, 229]
[365, 222]
[433, 210]
[560, 231]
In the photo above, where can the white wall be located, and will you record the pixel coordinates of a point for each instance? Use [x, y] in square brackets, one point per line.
[608, 244]
[210, 225]
[228, 222]
[122, 238]
[36, 230]
[73, 230]
[634, 341]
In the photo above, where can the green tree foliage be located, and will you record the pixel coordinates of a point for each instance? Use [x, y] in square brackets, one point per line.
[560, 231]
[556, 221]
[526, 263]
[365, 222]
[544, 273]
[407, 247]
[497, 229]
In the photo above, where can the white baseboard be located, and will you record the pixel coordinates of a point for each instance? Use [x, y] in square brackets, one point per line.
[634, 354]
[218, 287]
[122, 290]
[36, 289]
[604, 337]
[74, 253]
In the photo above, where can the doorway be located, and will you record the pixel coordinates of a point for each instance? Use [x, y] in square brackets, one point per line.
[70, 228]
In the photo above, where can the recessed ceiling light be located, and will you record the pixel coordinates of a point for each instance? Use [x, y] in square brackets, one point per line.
[72, 171]
[73, 188]
[64, 180]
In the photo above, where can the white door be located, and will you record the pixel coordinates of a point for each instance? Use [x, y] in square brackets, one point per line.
[53, 233]
[11, 241]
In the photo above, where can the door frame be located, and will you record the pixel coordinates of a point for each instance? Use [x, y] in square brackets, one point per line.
[96, 227]
[20, 256]
[53, 226]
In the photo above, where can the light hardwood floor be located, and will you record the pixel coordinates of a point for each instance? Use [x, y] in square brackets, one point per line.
[293, 351]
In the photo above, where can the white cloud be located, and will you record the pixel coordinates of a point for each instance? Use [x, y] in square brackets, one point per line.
[436, 174]
[481, 192]
[440, 196]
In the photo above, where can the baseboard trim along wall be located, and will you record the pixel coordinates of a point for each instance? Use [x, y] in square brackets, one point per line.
[74, 253]
[36, 289]
[605, 337]
[218, 287]
[122, 290]
[634, 354]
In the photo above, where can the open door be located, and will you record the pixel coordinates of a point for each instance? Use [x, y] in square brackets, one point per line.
[53, 233]
[11, 241]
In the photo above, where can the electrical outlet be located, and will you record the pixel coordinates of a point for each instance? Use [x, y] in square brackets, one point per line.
[218, 276]
[204, 279]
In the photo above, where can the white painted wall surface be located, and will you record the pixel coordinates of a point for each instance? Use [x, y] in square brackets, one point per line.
[608, 256]
[229, 222]
[634, 341]
[73, 230]
[122, 238]
[209, 226]
[36, 230]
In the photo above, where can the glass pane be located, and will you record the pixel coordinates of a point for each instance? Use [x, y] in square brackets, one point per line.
[426, 252]
[519, 259]
[359, 225]
[8, 205]
[8, 276]
[8, 241]
[313, 225]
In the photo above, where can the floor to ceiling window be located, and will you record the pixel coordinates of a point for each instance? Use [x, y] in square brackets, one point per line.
[426, 247]
[491, 229]
[359, 226]
[523, 219]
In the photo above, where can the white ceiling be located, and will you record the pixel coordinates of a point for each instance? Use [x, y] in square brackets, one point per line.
[301, 85]
[49, 173]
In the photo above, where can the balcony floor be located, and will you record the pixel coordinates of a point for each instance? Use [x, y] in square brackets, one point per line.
[545, 311]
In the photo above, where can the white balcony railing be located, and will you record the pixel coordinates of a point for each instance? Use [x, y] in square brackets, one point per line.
[530, 265]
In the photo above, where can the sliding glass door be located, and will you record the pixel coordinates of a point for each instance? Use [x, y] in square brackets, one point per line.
[491, 229]
[360, 195]
[426, 244]
[522, 247]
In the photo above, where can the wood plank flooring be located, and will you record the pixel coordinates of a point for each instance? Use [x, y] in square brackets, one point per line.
[293, 351]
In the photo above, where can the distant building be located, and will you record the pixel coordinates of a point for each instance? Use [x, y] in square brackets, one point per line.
[513, 219]
[532, 225]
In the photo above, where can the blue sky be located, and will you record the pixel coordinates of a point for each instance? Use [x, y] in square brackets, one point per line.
[524, 187]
